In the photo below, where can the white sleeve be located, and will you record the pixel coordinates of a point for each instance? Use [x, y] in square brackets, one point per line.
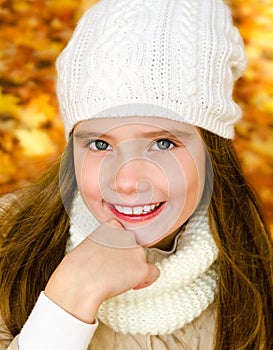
[50, 327]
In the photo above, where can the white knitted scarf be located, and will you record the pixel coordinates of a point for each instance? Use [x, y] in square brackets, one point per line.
[185, 288]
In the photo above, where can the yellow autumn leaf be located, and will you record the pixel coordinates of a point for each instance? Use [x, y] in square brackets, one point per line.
[35, 142]
[63, 4]
[86, 4]
[37, 112]
[8, 104]
[7, 167]
[21, 6]
[268, 106]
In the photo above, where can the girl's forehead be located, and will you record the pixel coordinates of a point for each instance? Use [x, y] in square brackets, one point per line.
[107, 124]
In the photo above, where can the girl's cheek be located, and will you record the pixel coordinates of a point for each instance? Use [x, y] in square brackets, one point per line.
[193, 173]
[79, 156]
[86, 170]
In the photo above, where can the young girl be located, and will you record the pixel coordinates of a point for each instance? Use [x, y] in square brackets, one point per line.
[145, 234]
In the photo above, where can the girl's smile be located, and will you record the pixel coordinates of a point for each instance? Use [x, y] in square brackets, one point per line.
[146, 172]
[139, 213]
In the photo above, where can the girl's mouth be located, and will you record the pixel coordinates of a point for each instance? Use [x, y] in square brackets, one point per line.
[137, 213]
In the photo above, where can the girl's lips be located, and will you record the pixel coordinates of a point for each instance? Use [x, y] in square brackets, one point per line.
[133, 218]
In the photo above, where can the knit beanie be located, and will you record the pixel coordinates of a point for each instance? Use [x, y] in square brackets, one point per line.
[175, 59]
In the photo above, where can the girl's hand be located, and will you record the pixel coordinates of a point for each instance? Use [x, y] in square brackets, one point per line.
[92, 272]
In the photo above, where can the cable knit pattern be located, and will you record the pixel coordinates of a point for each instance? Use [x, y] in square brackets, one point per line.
[169, 58]
[186, 286]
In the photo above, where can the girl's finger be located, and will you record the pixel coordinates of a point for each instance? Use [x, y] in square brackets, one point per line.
[113, 235]
[154, 273]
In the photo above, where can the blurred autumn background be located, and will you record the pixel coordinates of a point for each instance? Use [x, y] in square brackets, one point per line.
[33, 33]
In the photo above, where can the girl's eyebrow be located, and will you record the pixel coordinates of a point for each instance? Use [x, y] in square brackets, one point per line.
[84, 134]
[167, 133]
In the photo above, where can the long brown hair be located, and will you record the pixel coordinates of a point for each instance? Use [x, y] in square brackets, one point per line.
[245, 287]
[35, 238]
[34, 231]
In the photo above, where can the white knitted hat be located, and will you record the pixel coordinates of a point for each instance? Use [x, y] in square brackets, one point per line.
[169, 58]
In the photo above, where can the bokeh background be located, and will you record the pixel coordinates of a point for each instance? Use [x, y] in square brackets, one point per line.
[33, 32]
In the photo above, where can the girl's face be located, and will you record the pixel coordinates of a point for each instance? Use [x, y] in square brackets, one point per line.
[146, 172]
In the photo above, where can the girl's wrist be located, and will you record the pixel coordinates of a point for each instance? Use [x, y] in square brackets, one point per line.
[83, 307]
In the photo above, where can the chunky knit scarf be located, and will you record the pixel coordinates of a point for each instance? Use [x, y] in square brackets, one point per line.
[185, 288]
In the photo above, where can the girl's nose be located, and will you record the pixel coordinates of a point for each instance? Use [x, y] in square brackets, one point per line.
[132, 177]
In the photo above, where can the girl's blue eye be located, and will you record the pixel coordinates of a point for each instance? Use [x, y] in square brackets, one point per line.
[162, 145]
[98, 145]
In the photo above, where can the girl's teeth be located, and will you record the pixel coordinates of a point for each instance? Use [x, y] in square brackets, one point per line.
[119, 208]
[136, 210]
[128, 211]
[146, 208]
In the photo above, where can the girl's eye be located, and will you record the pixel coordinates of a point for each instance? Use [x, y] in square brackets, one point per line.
[162, 145]
[99, 145]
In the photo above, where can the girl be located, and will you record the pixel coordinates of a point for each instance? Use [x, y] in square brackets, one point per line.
[145, 234]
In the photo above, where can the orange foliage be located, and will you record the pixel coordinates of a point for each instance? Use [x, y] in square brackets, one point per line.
[254, 91]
